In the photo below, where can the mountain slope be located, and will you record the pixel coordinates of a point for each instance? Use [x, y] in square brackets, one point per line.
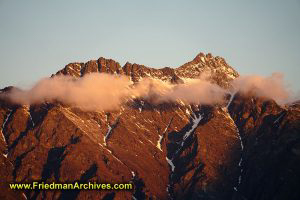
[169, 150]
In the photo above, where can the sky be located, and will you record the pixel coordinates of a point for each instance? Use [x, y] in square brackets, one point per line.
[38, 38]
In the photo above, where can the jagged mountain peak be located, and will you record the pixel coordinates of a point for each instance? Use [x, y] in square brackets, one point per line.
[221, 72]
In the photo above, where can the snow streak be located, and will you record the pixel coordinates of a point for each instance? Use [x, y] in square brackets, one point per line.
[230, 100]
[277, 120]
[161, 137]
[2, 129]
[240, 162]
[159, 141]
[171, 164]
[196, 121]
[109, 131]
[32, 122]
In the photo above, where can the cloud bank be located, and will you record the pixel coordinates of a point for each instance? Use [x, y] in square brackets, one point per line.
[271, 87]
[100, 91]
[93, 91]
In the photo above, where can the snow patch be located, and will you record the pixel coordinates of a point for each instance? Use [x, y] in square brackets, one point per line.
[187, 112]
[202, 59]
[240, 138]
[77, 72]
[78, 65]
[240, 162]
[231, 76]
[230, 100]
[158, 145]
[277, 120]
[150, 141]
[171, 164]
[24, 196]
[31, 120]
[196, 121]
[108, 133]
[133, 174]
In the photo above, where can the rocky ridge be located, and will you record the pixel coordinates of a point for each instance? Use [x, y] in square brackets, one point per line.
[221, 72]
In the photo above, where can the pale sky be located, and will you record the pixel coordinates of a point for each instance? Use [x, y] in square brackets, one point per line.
[37, 38]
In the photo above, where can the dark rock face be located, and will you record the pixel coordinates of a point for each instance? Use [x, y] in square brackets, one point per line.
[271, 135]
[168, 151]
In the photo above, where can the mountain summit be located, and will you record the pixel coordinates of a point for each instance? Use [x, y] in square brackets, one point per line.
[246, 148]
[221, 72]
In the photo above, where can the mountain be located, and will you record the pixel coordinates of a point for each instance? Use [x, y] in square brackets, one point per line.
[247, 148]
[221, 72]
